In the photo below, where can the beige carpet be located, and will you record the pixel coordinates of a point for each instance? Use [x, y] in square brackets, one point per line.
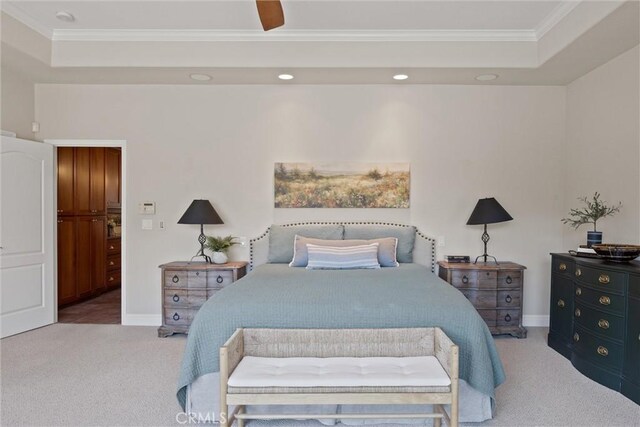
[111, 375]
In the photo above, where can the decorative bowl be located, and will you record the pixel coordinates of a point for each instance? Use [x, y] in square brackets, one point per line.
[616, 252]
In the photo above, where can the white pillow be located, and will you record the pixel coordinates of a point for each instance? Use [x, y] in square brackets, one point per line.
[346, 257]
[386, 250]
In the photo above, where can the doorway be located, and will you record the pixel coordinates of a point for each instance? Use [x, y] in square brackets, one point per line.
[90, 194]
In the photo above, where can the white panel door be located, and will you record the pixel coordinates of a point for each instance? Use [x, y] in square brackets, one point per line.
[27, 219]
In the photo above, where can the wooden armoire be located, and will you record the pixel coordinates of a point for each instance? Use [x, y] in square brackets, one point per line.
[82, 222]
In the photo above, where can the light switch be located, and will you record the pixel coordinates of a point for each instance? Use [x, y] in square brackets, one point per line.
[147, 224]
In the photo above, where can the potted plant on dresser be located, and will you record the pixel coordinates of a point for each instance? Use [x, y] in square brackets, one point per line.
[219, 247]
[592, 211]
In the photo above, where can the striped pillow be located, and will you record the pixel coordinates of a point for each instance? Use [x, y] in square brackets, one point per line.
[346, 257]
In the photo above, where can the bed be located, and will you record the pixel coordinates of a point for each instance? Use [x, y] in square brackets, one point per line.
[275, 295]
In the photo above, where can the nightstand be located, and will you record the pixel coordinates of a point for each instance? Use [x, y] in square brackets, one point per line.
[187, 285]
[495, 290]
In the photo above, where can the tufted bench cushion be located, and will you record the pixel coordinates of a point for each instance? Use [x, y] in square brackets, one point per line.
[422, 373]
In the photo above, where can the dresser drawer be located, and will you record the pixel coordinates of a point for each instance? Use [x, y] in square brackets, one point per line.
[508, 317]
[509, 298]
[563, 267]
[175, 279]
[474, 279]
[598, 350]
[489, 316]
[509, 279]
[185, 298]
[611, 281]
[605, 324]
[480, 298]
[220, 278]
[603, 300]
[113, 278]
[113, 262]
[113, 246]
[178, 316]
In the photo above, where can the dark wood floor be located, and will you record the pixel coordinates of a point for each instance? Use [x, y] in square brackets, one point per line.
[104, 309]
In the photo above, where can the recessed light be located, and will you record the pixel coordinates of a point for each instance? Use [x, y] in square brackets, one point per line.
[400, 77]
[65, 16]
[486, 77]
[285, 77]
[200, 77]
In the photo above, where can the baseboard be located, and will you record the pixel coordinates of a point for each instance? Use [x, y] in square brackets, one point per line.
[535, 320]
[142, 320]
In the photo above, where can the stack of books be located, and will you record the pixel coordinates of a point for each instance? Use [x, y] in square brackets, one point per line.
[458, 258]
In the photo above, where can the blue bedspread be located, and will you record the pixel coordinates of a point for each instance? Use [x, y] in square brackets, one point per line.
[279, 296]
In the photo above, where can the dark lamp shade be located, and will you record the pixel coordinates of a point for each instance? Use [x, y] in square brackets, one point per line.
[488, 211]
[200, 212]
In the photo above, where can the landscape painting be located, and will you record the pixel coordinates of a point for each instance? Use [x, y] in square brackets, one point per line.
[341, 185]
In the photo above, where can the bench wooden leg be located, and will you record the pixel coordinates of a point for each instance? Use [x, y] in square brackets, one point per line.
[241, 410]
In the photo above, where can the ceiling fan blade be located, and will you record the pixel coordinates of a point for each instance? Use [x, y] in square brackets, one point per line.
[271, 14]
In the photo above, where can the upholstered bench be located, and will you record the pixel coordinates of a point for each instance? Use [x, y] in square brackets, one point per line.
[339, 366]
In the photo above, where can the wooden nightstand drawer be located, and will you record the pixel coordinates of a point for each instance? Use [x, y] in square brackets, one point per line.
[474, 279]
[178, 316]
[509, 298]
[489, 317]
[175, 279]
[219, 279]
[186, 286]
[508, 317]
[509, 279]
[197, 279]
[480, 298]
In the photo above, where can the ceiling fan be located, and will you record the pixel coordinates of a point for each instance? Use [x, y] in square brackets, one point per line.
[271, 14]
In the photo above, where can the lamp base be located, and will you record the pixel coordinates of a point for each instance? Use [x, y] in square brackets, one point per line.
[485, 258]
[207, 258]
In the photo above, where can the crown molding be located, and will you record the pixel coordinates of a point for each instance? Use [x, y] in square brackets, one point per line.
[554, 18]
[19, 15]
[295, 36]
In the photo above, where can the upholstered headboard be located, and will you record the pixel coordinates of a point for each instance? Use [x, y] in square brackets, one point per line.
[424, 251]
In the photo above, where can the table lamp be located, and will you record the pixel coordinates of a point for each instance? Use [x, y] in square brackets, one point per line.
[487, 211]
[201, 212]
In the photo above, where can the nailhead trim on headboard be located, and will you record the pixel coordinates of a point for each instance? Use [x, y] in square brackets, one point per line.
[432, 241]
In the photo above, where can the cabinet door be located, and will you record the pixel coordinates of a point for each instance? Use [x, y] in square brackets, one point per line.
[97, 199]
[83, 256]
[98, 253]
[632, 344]
[67, 283]
[65, 181]
[561, 309]
[112, 177]
[83, 180]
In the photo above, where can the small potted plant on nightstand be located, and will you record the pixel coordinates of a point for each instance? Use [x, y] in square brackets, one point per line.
[594, 210]
[219, 247]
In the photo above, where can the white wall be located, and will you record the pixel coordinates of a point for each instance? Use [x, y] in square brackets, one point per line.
[18, 108]
[603, 146]
[220, 143]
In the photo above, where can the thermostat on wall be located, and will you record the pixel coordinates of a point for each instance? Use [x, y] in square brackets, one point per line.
[147, 208]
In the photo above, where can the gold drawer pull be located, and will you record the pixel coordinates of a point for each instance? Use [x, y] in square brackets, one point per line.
[562, 266]
[602, 351]
[604, 279]
[111, 247]
[578, 312]
[578, 291]
[112, 263]
[578, 272]
[111, 279]
[576, 337]
[604, 300]
[561, 303]
[604, 324]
